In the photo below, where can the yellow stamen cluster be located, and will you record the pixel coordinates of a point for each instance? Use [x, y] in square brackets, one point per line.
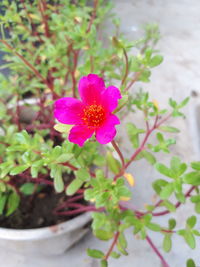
[94, 115]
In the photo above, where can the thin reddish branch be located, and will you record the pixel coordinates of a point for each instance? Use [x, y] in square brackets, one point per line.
[75, 168]
[118, 152]
[126, 67]
[31, 67]
[33, 31]
[79, 210]
[187, 194]
[73, 71]
[93, 15]
[135, 78]
[142, 146]
[164, 263]
[112, 245]
[42, 8]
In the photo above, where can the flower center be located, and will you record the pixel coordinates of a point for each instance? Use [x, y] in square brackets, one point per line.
[94, 115]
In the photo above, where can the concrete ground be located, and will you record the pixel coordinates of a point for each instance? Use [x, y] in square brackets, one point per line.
[177, 77]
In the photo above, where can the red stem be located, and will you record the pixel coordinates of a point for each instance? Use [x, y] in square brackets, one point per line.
[93, 16]
[135, 78]
[80, 210]
[164, 263]
[126, 67]
[187, 194]
[42, 7]
[31, 67]
[112, 246]
[116, 147]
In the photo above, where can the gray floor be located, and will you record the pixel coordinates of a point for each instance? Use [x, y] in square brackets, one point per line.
[177, 77]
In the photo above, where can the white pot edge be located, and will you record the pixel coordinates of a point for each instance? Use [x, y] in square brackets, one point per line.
[45, 232]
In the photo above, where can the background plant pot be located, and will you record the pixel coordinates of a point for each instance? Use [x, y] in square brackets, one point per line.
[53, 240]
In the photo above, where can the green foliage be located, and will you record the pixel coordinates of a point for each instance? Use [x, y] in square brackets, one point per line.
[35, 151]
[133, 134]
[27, 188]
[167, 243]
[95, 253]
[190, 263]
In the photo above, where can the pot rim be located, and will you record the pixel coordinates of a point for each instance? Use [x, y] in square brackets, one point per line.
[45, 232]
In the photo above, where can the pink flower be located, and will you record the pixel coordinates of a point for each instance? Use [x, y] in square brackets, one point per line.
[92, 114]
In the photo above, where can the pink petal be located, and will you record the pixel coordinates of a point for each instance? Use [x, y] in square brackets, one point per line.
[90, 88]
[107, 131]
[110, 98]
[68, 110]
[79, 134]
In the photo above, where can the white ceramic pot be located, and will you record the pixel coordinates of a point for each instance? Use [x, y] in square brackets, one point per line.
[53, 240]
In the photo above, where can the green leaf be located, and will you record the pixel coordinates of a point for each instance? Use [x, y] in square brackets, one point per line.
[18, 169]
[12, 203]
[58, 180]
[3, 199]
[115, 255]
[121, 103]
[74, 186]
[169, 129]
[196, 165]
[172, 103]
[190, 263]
[104, 263]
[133, 134]
[171, 207]
[154, 227]
[190, 240]
[122, 241]
[164, 170]
[191, 221]
[184, 102]
[155, 61]
[172, 224]
[195, 199]
[82, 174]
[121, 249]
[192, 178]
[94, 253]
[197, 207]
[177, 167]
[149, 157]
[167, 191]
[103, 235]
[167, 243]
[63, 128]
[64, 158]
[27, 188]
[113, 163]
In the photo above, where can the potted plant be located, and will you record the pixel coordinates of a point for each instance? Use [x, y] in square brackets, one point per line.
[64, 158]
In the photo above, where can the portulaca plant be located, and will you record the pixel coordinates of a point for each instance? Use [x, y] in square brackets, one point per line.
[76, 89]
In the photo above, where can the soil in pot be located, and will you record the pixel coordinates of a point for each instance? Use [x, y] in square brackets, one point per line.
[37, 211]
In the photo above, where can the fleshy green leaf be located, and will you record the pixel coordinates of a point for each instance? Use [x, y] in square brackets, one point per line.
[94, 253]
[74, 186]
[155, 61]
[113, 163]
[167, 243]
[192, 178]
[169, 129]
[190, 263]
[27, 188]
[167, 191]
[191, 221]
[18, 169]
[13, 203]
[103, 235]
